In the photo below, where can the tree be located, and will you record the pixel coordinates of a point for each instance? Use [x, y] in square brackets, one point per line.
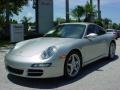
[78, 12]
[106, 22]
[26, 21]
[2, 22]
[90, 12]
[7, 9]
[99, 22]
[10, 7]
[119, 26]
[115, 26]
[59, 20]
[14, 6]
[13, 21]
[91, 2]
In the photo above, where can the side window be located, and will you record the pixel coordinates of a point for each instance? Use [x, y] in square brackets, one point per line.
[91, 29]
[100, 30]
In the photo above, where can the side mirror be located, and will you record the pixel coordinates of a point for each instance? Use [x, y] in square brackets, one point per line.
[91, 35]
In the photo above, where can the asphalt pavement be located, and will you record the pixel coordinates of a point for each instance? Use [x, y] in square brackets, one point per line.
[101, 75]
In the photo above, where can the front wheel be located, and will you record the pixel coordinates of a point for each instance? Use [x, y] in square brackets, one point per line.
[112, 50]
[72, 65]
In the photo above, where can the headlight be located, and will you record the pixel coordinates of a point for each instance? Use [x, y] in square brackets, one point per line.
[48, 53]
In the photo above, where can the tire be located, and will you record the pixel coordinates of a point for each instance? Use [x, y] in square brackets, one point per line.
[72, 65]
[112, 50]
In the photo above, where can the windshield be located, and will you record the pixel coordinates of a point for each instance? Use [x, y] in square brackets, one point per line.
[67, 31]
[110, 30]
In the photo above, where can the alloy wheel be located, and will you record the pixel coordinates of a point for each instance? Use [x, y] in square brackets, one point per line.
[112, 50]
[73, 65]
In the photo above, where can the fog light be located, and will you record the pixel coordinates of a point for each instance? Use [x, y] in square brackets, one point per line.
[41, 65]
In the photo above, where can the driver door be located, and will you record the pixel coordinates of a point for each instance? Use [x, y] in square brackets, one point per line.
[92, 45]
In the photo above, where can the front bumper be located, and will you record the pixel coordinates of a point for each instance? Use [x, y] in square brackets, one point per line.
[24, 69]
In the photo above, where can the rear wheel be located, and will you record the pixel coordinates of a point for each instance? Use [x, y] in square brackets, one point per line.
[112, 50]
[72, 65]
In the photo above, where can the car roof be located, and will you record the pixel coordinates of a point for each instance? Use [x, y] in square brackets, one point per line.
[83, 23]
[110, 29]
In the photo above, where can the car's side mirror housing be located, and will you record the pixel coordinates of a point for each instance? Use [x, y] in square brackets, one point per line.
[91, 35]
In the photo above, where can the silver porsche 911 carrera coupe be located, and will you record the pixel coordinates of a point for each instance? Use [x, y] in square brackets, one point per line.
[63, 51]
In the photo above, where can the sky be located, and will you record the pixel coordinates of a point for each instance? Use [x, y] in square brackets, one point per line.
[109, 9]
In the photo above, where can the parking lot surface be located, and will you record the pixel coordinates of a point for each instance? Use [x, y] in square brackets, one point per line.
[101, 75]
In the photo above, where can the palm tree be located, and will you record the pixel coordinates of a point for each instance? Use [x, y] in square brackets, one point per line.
[13, 7]
[67, 11]
[26, 21]
[35, 6]
[106, 22]
[91, 2]
[78, 12]
[115, 26]
[99, 11]
[7, 28]
[2, 22]
[10, 7]
[89, 11]
[99, 22]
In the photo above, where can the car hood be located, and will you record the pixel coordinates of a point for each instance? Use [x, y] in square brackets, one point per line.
[37, 46]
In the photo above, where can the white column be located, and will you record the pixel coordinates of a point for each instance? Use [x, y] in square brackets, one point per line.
[45, 14]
